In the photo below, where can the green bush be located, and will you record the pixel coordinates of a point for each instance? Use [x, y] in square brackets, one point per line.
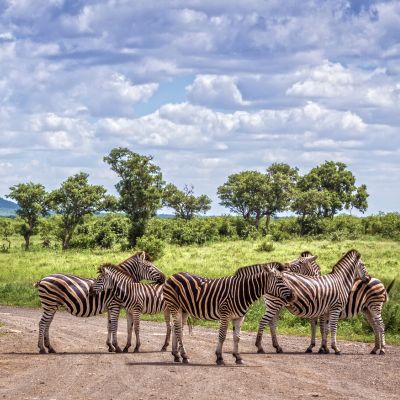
[151, 245]
[265, 246]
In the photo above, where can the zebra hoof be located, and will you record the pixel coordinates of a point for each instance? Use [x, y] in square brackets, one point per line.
[42, 351]
[177, 359]
[322, 351]
[136, 350]
[279, 350]
[111, 350]
[51, 350]
[338, 353]
[260, 351]
[382, 352]
[118, 350]
[125, 350]
[220, 361]
[164, 348]
[239, 361]
[373, 351]
[308, 350]
[185, 360]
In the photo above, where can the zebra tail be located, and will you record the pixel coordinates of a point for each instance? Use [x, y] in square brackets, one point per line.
[390, 286]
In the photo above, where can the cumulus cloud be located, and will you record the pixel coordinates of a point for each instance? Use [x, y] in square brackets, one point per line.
[216, 91]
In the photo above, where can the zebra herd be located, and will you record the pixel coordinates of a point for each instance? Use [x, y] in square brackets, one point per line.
[297, 285]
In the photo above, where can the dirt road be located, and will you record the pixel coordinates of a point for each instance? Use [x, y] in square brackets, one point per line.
[83, 369]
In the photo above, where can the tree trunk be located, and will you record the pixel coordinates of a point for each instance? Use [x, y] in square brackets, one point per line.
[267, 222]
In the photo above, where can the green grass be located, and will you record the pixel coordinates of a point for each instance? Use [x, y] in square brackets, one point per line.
[20, 269]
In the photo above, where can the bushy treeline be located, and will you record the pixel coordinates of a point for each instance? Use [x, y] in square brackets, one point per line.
[110, 230]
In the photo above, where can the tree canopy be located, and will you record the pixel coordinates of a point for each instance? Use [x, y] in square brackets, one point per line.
[75, 199]
[184, 202]
[32, 202]
[140, 188]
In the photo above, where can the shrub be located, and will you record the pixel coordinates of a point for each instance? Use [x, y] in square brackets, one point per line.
[265, 246]
[151, 245]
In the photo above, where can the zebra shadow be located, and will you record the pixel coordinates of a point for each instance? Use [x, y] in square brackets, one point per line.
[304, 354]
[182, 365]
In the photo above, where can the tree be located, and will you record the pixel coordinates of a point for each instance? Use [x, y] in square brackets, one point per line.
[282, 180]
[6, 230]
[140, 188]
[256, 195]
[245, 193]
[184, 202]
[326, 190]
[74, 200]
[31, 199]
[338, 183]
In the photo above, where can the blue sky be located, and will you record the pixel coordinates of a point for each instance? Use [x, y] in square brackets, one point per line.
[208, 88]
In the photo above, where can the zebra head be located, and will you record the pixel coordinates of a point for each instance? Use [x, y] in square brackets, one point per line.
[275, 285]
[305, 265]
[103, 282]
[140, 267]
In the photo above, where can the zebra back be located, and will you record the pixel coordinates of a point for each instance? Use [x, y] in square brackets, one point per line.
[212, 299]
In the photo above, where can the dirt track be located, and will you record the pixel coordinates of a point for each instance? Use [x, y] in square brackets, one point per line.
[85, 370]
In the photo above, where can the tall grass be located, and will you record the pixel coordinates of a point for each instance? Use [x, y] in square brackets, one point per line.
[19, 270]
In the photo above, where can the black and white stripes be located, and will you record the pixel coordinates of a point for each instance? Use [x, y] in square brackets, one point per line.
[222, 299]
[72, 293]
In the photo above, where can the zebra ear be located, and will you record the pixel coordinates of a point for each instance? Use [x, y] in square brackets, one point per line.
[312, 258]
[142, 256]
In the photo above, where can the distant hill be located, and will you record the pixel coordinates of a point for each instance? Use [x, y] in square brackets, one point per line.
[7, 208]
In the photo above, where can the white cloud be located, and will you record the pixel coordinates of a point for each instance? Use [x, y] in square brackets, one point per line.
[216, 91]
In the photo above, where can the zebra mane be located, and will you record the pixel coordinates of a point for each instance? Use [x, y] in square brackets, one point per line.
[258, 268]
[346, 255]
[117, 267]
[143, 254]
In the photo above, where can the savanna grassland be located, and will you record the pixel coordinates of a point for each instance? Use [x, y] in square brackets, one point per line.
[19, 269]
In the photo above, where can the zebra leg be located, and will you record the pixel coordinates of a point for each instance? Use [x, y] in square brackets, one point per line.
[274, 337]
[333, 322]
[177, 337]
[267, 319]
[323, 325]
[136, 325]
[129, 324]
[113, 316]
[313, 335]
[221, 338]
[374, 317]
[237, 323]
[167, 317]
[109, 333]
[44, 327]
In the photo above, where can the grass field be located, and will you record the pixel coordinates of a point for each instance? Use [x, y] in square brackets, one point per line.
[20, 269]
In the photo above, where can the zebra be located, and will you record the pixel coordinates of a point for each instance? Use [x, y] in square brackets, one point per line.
[136, 298]
[323, 296]
[367, 298]
[72, 293]
[222, 299]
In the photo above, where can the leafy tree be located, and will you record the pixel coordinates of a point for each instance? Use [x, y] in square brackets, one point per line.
[74, 200]
[255, 195]
[184, 202]
[245, 193]
[140, 188]
[281, 179]
[31, 199]
[6, 230]
[338, 184]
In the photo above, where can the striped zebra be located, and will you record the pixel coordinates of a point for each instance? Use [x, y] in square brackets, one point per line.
[222, 299]
[323, 296]
[367, 298]
[72, 293]
[136, 298]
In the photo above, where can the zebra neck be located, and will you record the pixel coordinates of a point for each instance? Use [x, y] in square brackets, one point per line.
[250, 289]
[346, 271]
[128, 268]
